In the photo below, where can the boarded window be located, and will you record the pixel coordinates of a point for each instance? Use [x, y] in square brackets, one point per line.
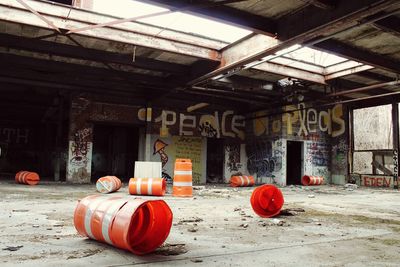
[373, 128]
[362, 162]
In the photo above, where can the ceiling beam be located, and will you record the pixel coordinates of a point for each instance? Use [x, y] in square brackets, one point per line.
[78, 52]
[390, 24]
[145, 36]
[347, 72]
[357, 54]
[290, 72]
[323, 4]
[304, 26]
[224, 14]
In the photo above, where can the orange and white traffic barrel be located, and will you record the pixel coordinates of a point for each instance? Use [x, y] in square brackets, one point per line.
[108, 184]
[238, 181]
[267, 200]
[312, 180]
[136, 225]
[25, 177]
[147, 186]
[182, 184]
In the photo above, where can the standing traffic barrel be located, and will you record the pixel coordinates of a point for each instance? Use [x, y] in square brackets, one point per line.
[237, 181]
[108, 184]
[26, 177]
[136, 225]
[267, 200]
[147, 186]
[182, 185]
[312, 180]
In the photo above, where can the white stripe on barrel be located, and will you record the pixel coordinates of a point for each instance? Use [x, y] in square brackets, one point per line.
[109, 214]
[150, 186]
[138, 189]
[241, 181]
[247, 180]
[182, 172]
[88, 216]
[182, 184]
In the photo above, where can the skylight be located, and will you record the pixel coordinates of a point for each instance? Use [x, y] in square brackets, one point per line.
[315, 57]
[178, 21]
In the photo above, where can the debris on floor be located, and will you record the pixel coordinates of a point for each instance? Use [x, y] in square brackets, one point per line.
[191, 220]
[171, 249]
[13, 248]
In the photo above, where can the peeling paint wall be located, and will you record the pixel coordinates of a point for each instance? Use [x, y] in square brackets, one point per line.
[167, 149]
[322, 131]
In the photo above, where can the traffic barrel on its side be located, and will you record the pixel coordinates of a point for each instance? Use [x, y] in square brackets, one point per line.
[267, 200]
[137, 225]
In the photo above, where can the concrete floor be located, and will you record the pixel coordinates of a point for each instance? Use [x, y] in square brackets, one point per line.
[337, 228]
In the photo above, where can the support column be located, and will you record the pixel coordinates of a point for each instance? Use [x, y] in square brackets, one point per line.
[148, 148]
[395, 123]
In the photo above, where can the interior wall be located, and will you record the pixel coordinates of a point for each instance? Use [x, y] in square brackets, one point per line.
[322, 130]
[167, 149]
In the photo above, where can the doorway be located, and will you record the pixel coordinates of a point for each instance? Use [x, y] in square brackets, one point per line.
[115, 150]
[215, 160]
[294, 162]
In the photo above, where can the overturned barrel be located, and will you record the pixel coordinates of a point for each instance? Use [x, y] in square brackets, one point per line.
[267, 200]
[108, 184]
[239, 181]
[147, 186]
[136, 225]
[312, 180]
[26, 177]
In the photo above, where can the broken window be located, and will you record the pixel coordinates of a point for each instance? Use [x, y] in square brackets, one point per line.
[373, 140]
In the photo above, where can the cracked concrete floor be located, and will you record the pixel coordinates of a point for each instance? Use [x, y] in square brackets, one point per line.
[329, 226]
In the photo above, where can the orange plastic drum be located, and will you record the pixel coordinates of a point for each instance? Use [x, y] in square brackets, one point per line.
[182, 184]
[108, 184]
[312, 180]
[147, 186]
[25, 177]
[267, 200]
[238, 181]
[136, 225]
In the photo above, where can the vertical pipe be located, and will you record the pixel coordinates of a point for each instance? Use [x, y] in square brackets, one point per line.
[350, 155]
[395, 123]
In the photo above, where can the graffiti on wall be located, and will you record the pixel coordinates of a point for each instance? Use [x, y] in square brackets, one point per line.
[233, 157]
[317, 154]
[376, 181]
[80, 147]
[217, 125]
[300, 121]
[159, 148]
[262, 159]
[14, 135]
[339, 156]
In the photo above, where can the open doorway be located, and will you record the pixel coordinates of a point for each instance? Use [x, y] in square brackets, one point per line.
[115, 150]
[294, 162]
[215, 160]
